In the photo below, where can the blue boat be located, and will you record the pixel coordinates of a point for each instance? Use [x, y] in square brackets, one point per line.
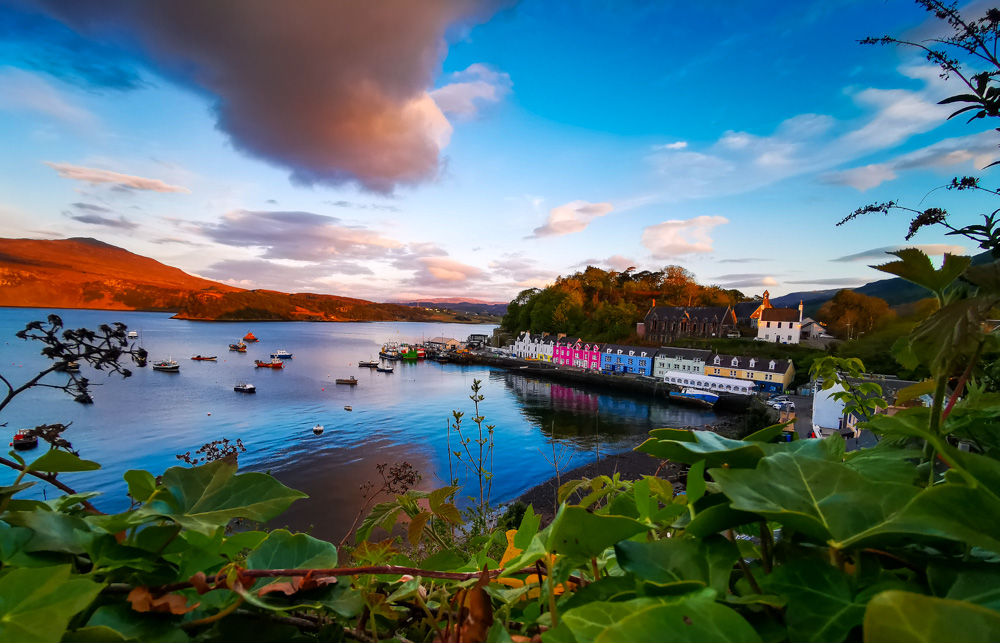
[281, 354]
[695, 396]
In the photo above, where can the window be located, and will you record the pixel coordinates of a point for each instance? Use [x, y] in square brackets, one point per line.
[717, 360]
[752, 362]
[768, 324]
[789, 338]
[771, 366]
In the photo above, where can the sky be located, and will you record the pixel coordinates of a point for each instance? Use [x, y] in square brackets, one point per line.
[395, 150]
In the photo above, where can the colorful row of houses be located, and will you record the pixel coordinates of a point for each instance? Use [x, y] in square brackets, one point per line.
[767, 375]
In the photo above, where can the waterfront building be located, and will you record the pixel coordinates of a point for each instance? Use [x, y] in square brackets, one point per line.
[829, 414]
[443, 343]
[524, 346]
[812, 329]
[682, 360]
[664, 324]
[587, 355]
[768, 375]
[711, 383]
[616, 358]
[545, 347]
[780, 325]
[562, 351]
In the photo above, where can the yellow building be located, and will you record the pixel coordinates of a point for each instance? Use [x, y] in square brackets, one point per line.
[768, 375]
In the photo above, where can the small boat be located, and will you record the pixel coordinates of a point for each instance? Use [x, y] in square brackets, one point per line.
[167, 366]
[72, 366]
[421, 353]
[408, 353]
[281, 354]
[274, 363]
[133, 334]
[347, 408]
[250, 337]
[318, 429]
[350, 381]
[239, 346]
[245, 387]
[389, 351]
[23, 440]
[203, 358]
[368, 363]
[384, 369]
[695, 396]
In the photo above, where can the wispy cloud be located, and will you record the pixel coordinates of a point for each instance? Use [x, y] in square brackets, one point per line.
[93, 175]
[95, 219]
[879, 254]
[24, 91]
[469, 89]
[570, 218]
[681, 237]
[833, 281]
[745, 259]
[362, 206]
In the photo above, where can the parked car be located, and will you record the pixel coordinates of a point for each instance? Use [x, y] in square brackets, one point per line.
[733, 334]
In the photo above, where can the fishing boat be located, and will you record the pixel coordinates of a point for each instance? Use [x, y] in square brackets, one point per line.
[250, 337]
[368, 363]
[245, 387]
[274, 363]
[389, 351]
[281, 354]
[318, 429]
[421, 353]
[350, 381]
[205, 358]
[23, 440]
[695, 396]
[347, 408]
[238, 346]
[408, 353]
[384, 369]
[167, 366]
[133, 334]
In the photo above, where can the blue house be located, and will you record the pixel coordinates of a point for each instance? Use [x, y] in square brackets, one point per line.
[617, 358]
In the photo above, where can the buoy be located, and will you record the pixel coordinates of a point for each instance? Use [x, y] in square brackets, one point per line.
[209, 413]
[322, 389]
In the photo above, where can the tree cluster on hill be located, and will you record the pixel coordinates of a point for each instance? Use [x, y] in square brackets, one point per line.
[850, 314]
[604, 305]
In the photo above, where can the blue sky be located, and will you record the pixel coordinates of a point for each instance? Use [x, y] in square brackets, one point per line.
[446, 148]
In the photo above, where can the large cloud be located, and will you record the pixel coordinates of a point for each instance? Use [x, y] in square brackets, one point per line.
[681, 237]
[93, 175]
[571, 217]
[335, 91]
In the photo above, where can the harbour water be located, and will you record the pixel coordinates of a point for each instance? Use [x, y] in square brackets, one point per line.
[144, 421]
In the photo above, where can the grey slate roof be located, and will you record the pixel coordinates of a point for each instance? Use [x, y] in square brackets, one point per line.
[743, 361]
[684, 353]
[694, 313]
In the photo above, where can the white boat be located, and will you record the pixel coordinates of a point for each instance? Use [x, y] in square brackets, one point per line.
[384, 369]
[132, 334]
[318, 429]
[167, 365]
[245, 387]
[347, 408]
[695, 396]
[281, 354]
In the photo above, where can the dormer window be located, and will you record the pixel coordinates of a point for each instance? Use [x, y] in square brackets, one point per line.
[619, 351]
[735, 361]
[717, 361]
[752, 362]
[771, 366]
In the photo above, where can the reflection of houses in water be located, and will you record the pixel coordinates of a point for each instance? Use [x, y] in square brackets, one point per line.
[526, 388]
[564, 397]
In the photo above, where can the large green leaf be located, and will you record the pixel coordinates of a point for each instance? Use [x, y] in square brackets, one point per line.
[37, 604]
[885, 463]
[147, 628]
[53, 531]
[579, 533]
[141, 484]
[666, 561]
[977, 583]
[285, 550]
[689, 447]
[903, 616]
[697, 618]
[57, 461]
[588, 621]
[950, 333]
[953, 512]
[827, 501]
[821, 606]
[206, 497]
[916, 267]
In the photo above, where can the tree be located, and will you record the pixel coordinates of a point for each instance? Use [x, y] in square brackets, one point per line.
[851, 313]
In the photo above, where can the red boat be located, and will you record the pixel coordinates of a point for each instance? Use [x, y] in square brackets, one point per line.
[249, 337]
[274, 363]
[203, 358]
[24, 441]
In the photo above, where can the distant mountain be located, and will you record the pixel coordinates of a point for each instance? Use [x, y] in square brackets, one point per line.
[87, 273]
[462, 305]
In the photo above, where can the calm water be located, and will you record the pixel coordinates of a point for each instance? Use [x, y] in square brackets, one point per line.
[144, 421]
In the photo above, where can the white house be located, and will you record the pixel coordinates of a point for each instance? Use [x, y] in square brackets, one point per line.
[681, 360]
[780, 325]
[828, 414]
[544, 347]
[812, 329]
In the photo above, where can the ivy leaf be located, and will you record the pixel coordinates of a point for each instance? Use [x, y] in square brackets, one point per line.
[977, 583]
[689, 447]
[53, 531]
[36, 604]
[588, 621]
[914, 391]
[207, 497]
[284, 550]
[950, 333]
[885, 463]
[141, 484]
[135, 626]
[827, 501]
[697, 618]
[577, 532]
[820, 604]
[682, 560]
[916, 267]
[58, 461]
[528, 528]
[416, 528]
[904, 616]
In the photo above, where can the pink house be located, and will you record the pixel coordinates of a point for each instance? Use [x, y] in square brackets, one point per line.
[562, 352]
[587, 355]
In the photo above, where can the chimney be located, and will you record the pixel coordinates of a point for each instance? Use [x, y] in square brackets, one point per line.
[654, 303]
[800, 311]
